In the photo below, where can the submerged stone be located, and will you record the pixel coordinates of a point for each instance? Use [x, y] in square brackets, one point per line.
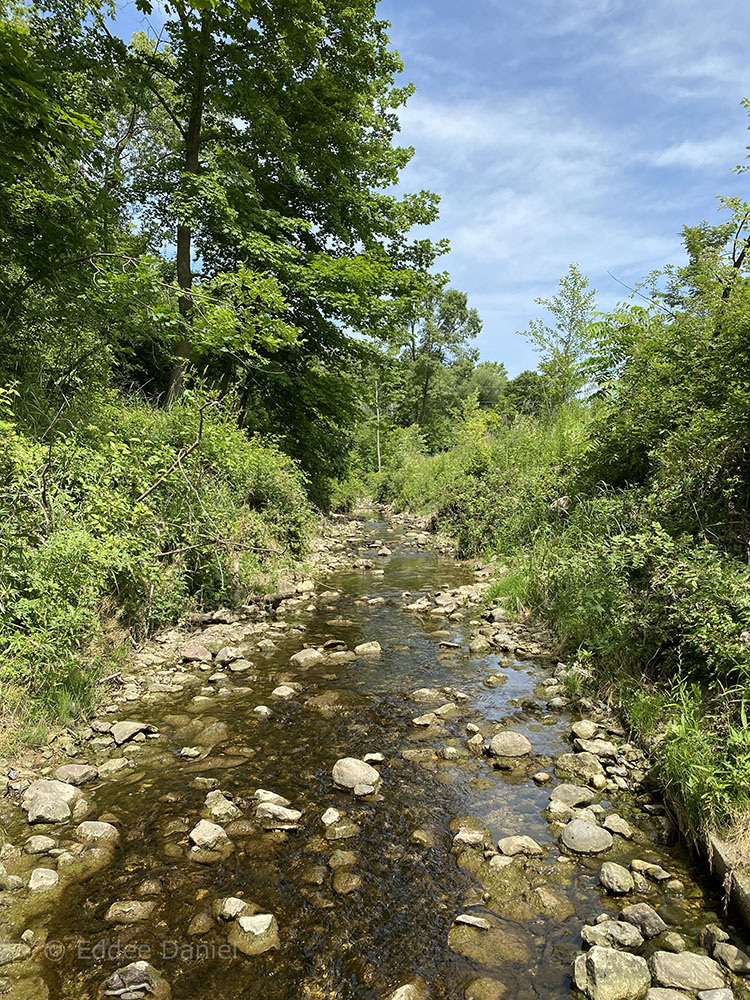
[255, 935]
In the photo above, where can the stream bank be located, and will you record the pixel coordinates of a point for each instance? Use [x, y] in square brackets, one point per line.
[365, 789]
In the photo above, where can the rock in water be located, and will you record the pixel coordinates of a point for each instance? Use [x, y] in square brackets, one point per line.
[272, 816]
[368, 649]
[43, 879]
[307, 657]
[645, 918]
[616, 879]
[91, 832]
[254, 935]
[349, 772]
[510, 744]
[76, 774]
[585, 838]
[129, 911]
[124, 731]
[137, 980]
[221, 808]
[511, 846]
[612, 933]
[686, 971]
[411, 991]
[606, 974]
[208, 836]
[48, 801]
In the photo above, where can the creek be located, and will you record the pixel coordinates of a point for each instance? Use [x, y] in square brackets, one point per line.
[359, 925]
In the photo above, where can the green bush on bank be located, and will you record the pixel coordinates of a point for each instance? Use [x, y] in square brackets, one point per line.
[660, 617]
[114, 527]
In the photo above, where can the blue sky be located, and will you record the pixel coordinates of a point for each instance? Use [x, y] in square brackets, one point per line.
[578, 130]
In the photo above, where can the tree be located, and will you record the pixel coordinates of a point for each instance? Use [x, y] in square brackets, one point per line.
[278, 155]
[436, 327]
[566, 346]
[527, 392]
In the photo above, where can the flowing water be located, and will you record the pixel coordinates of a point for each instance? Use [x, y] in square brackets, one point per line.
[394, 927]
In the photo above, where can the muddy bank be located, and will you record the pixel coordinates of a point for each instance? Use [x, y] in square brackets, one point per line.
[366, 789]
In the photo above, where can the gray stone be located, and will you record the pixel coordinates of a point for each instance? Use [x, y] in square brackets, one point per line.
[91, 832]
[613, 933]
[485, 988]
[283, 692]
[585, 838]
[255, 935]
[426, 696]
[616, 824]
[124, 731]
[368, 649]
[208, 836]
[472, 920]
[659, 993]
[43, 879]
[136, 981]
[518, 845]
[645, 918]
[607, 974]
[272, 816]
[469, 838]
[410, 991]
[221, 808]
[734, 959]
[686, 971]
[585, 729]
[725, 994]
[49, 801]
[616, 879]
[671, 941]
[228, 654]
[306, 658]
[229, 908]
[113, 765]
[510, 744]
[571, 795]
[39, 845]
[348, 772]
[599, 748]
[129, 911]
[13, 952]
[196, 653]
[76, 774]
[579, 766]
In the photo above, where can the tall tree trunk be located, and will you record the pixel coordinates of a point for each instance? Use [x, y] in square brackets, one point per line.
[192, 139]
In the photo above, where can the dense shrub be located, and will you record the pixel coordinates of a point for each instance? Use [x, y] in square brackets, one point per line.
[120, 523]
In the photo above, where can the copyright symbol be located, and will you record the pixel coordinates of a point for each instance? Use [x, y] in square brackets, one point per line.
[54, 951]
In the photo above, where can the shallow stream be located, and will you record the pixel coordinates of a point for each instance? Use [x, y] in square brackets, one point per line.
[393, 927]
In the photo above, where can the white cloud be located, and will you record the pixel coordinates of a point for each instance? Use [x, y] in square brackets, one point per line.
[589, 131]
[698, 155]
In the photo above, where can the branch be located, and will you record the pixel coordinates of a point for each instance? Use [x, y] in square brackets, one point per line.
[215, 541]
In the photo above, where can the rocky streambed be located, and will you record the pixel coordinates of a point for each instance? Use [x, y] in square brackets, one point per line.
[369, 787]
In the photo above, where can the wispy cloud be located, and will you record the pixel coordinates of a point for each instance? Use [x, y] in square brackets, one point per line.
[590, 131]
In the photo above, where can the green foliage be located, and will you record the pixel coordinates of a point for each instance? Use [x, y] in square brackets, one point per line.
[621, 519]
[565, 347]
[104, 533]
